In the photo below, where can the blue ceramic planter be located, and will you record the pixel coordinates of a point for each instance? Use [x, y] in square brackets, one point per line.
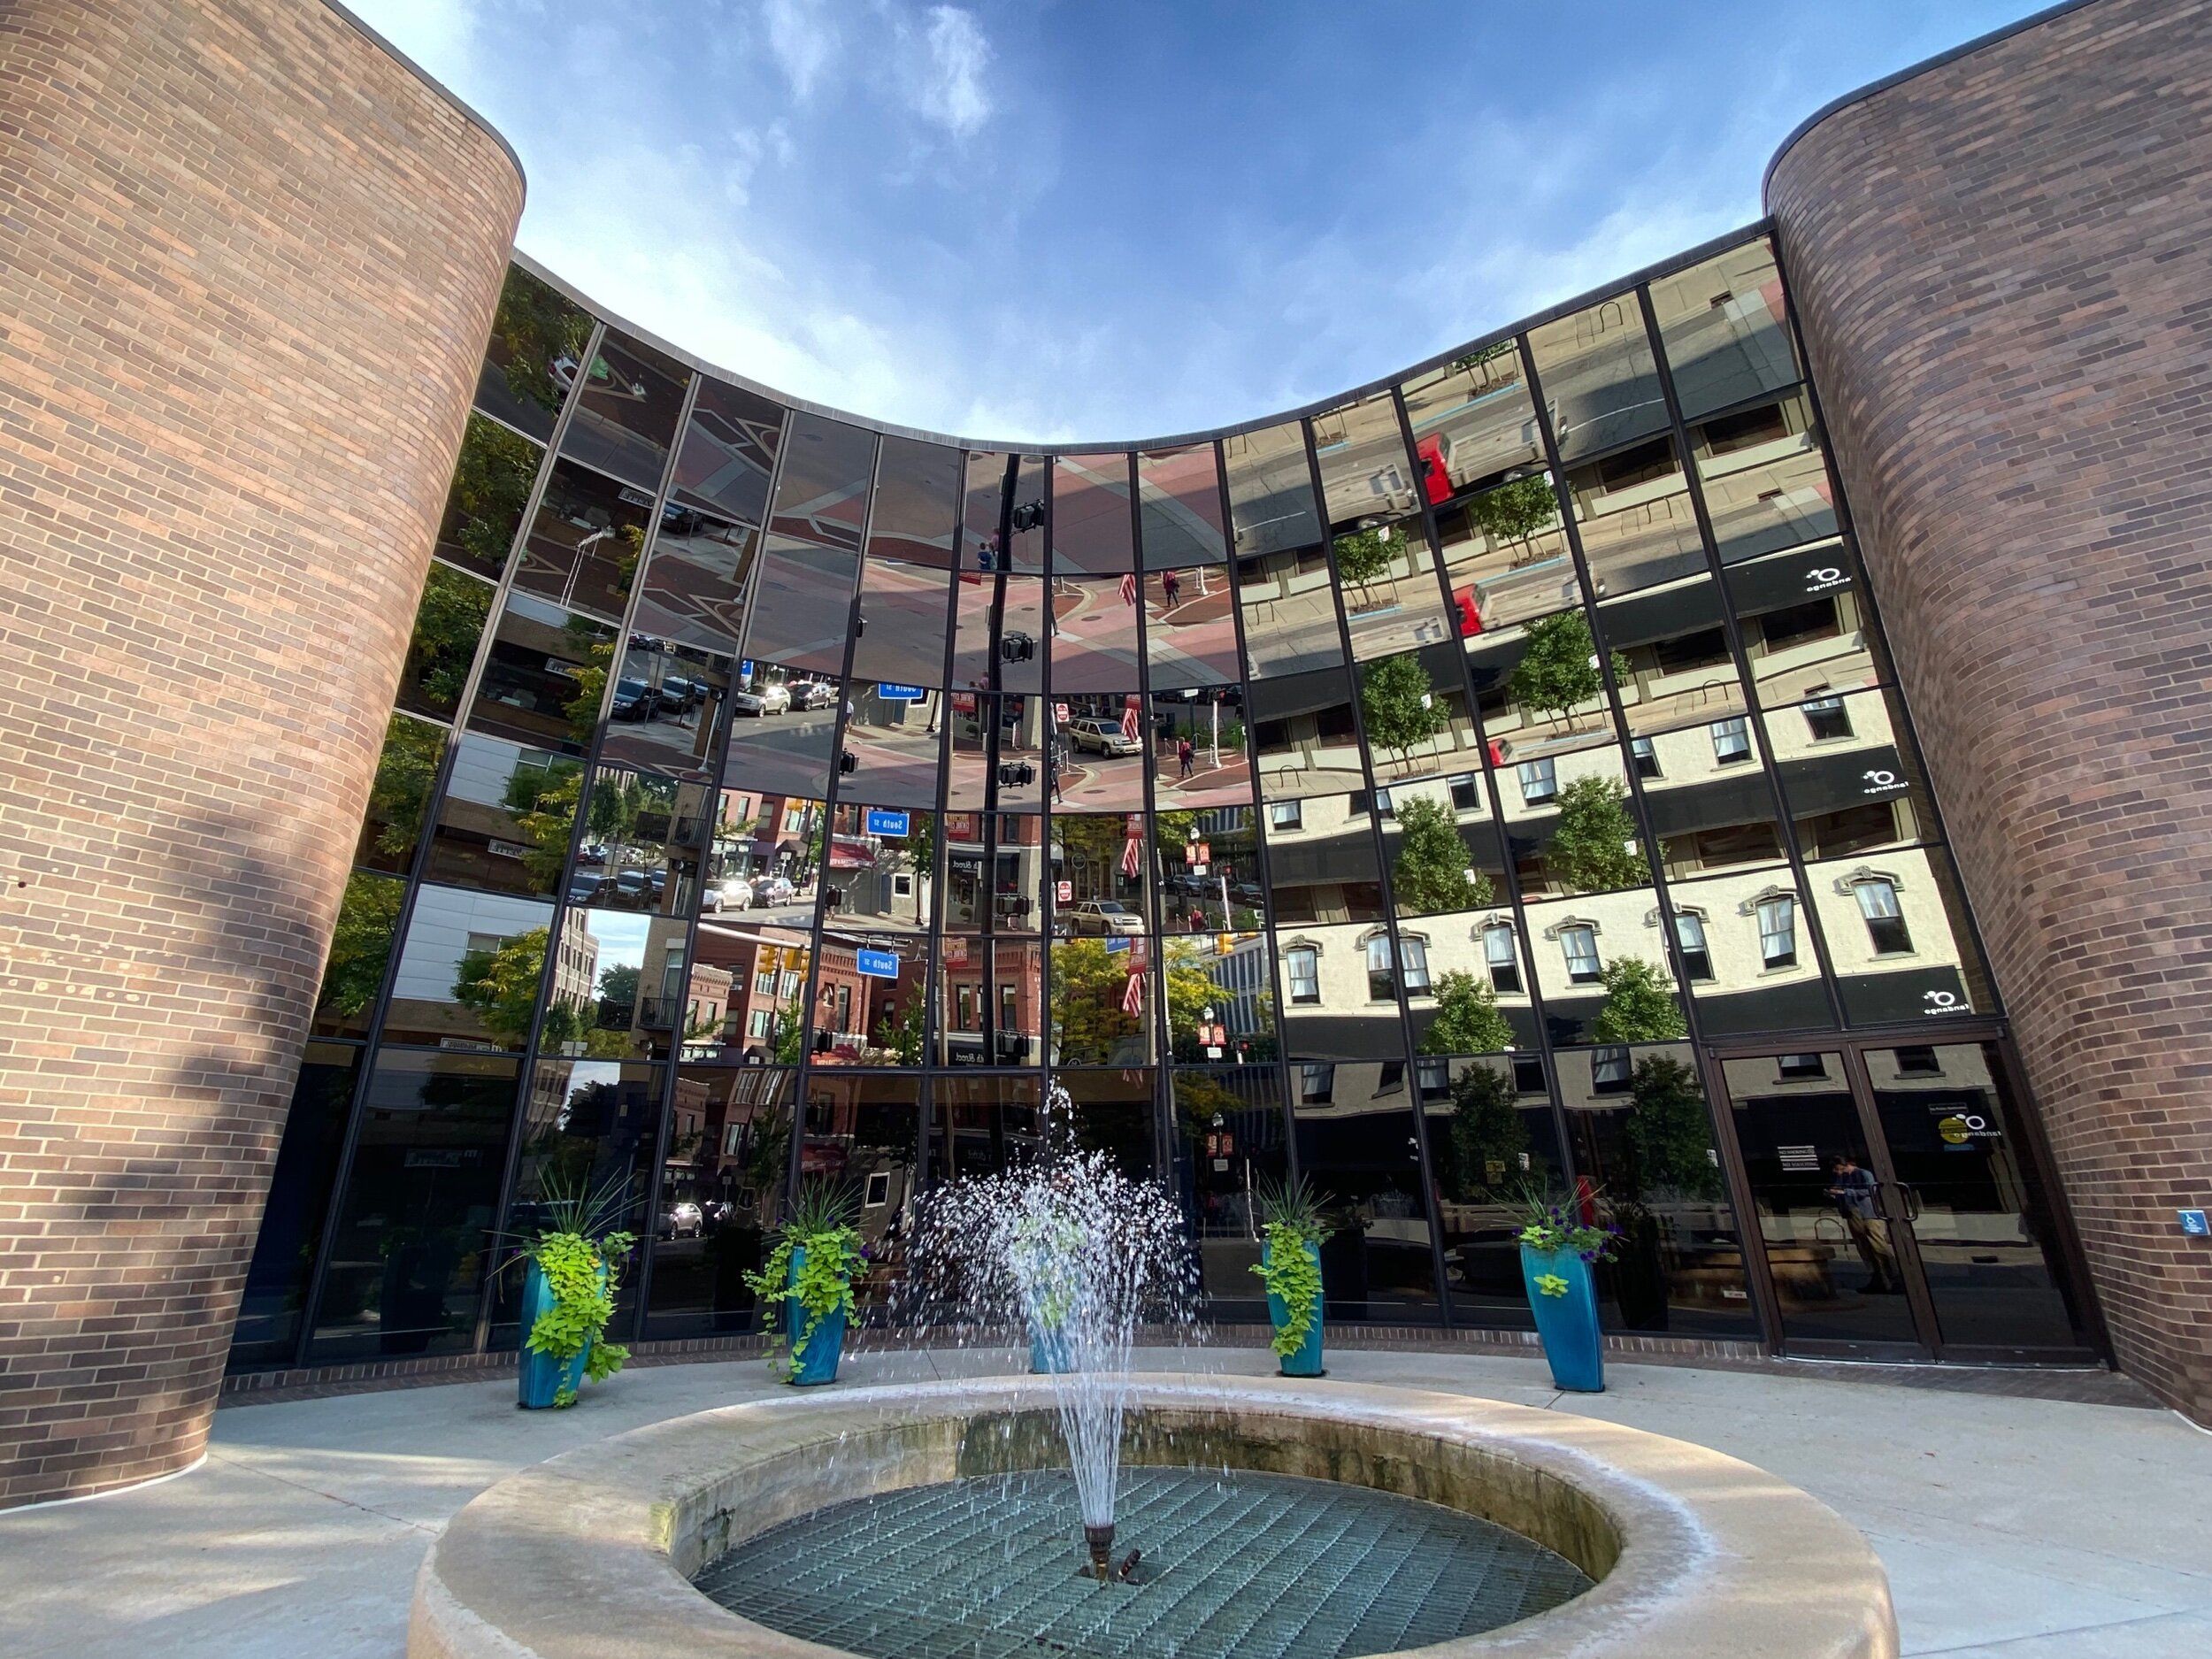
[824, 1347]
[1569, 1323]
[1049, 1354]
[540, 1381]
[1306, 1361]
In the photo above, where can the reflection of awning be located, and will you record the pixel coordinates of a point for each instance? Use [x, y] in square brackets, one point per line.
[1299, 694]
[1830, 783]
[1788, 579]
[1664, 614]
[1919, 997]
[1719, 804]
[1340, 858]
[851, 852]
[1801, 1006]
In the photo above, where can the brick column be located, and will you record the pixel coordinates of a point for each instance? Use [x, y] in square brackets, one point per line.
[248, 263]
[2004, 269]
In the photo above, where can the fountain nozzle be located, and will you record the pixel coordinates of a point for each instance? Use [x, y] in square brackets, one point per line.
[1100, 1539]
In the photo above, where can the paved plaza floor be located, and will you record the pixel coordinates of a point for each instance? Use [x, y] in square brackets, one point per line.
[2012, 1528]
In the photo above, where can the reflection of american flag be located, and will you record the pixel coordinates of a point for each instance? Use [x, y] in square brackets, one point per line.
[1131, 860]
[1132, 998]
[1129, 589]
[1132, 719]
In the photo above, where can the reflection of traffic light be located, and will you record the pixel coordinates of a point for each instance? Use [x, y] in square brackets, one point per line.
[1016, 771]
[1028, 516]
[1017, 648]
[846, 761]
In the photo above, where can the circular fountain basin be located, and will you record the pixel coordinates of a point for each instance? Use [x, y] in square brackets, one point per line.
[1689, 1555]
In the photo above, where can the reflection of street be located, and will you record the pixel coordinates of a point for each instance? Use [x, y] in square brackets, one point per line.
[1096, 783]
[893, 766]
[1289, 634]
[1231, 780]
[781, 754]
[1095, 637]
[1400, 615]
[1192, 641]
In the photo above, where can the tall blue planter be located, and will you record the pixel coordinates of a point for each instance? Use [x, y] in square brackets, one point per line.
[1306, 1360]
[1050, 1354]
[825, 1346]
[1569, 1323]
[540, 1381]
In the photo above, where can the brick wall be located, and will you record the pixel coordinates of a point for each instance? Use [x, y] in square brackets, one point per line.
[247, 262]
[2004, 270]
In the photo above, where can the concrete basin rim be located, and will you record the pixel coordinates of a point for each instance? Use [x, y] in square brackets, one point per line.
[1667, 1561]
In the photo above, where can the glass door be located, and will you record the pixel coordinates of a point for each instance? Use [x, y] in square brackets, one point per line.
[1982, 1224]
[1830, 1213]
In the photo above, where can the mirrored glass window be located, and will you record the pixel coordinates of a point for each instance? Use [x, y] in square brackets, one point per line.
[1336, 991]
[1288, 600]
[536, 349]
[448, 623]
[822, 491]
[1098, 871]
[289, 1244]
[1391, 599]
[1304, 736]
[666, 710]
[1897, 934]
[1190, 630]
[545, 676]
[1102, 1000]
[1322, 862]
[865, 1134]
[1413, 710]
[1806, 623]
[870, 995]
[1600, 378]
[1749, 954]
[1765, 478]
[803, 610]
[616, 991]
[893, 742]
[1725, 327]
[1541, 691]
[1632, 512]
[998, 753]
[722, 1186]
[1604, 968]
[728, 453]
[917, 502]
[698, 580]
[1851, 779]
[627, 412]
[1207, 870]
[1200, 750]
[491, 487]
[406, 767]
[901, 643]
[1471, 996]
[506, 818]
[1095, 633]
[1178, 498]
[1472, 423]
[360, 950]
[1098, 746]
[746, 996]
[1505, 555]
[1491, 1142]
[783, 730]
[762, 854]
[1365, 472]
[1271, 490]
[1090, 513]
[1359, 1144]
[586, 543]
[1230, 1144]
[1220, 992]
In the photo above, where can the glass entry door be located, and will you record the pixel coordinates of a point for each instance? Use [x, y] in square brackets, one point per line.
[1834, 1224]
[1901, 1213]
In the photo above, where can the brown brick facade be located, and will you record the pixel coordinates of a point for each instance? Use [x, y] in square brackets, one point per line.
[247, 262]
[2003, 267]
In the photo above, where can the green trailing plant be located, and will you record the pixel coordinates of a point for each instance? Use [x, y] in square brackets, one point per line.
[579, 1247]
[1051, 1245]
[1290, 1216]
[1551, 1227]
[820, 1234]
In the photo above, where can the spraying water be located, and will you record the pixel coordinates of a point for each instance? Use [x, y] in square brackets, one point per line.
[1075, 1255]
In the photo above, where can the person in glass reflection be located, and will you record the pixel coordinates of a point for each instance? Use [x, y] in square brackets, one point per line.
[1853, 1190]
[1171, 585]
[1186, 756]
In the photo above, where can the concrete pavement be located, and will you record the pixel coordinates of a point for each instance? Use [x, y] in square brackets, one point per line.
[2012, 1529]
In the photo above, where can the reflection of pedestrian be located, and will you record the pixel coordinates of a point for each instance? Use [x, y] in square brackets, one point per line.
[1853, 1193]
[1172, 585]
[1197, 919]
[1185, 755]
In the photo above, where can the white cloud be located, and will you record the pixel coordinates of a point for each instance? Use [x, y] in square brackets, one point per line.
[952, 94]
[802, 38]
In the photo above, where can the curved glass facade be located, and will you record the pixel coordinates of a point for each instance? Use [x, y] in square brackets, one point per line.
[1494, 782]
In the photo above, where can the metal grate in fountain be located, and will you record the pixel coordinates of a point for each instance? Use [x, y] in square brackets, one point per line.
[1234, 1566]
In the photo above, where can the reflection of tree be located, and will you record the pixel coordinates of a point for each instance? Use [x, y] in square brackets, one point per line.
[543, 802]
[618, 985]
[1487, 1138]
[404, 771]
[368, 916]
[1669, 1143]
[617, 798]
[1640, 1005]
[1515, 511]
[1559, 668]
[447, 623]
[1088, 984]
[906, 1036]
[1399, 703]
[1199, 1099]
[1467, 1018]
[594, 655]
[537, 328]
[1191, 990]
[1361, 556]
[491, 485]
[501, 985]
[1595, 848]
[1430, 871]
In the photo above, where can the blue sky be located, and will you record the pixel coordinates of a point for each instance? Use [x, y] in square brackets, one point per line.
[1046, 221]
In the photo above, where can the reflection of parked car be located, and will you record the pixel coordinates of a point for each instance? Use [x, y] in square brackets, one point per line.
[588, 890]
[736, 894]
[681, 1220]
[813, 694]
[1105, 916]
[634, 699]
[636, 884]
[773, 890]
[1103, 737]
[771, 698]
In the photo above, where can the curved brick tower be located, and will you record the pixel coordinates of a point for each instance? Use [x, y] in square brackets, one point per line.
[247, 263]
[2001, 267]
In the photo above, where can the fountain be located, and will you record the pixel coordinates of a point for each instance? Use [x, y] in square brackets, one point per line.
[1282, 1519]
[1078, 1255]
